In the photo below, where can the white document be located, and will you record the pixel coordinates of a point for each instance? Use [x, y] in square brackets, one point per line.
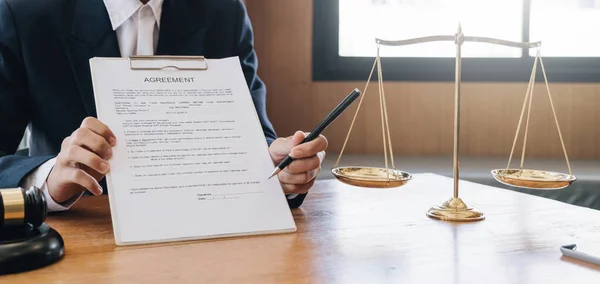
[191, 160]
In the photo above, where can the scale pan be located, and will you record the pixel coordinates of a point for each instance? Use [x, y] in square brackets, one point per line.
[533, 179]
[372, 177]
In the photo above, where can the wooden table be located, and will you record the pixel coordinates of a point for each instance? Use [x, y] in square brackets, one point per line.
[347, 235]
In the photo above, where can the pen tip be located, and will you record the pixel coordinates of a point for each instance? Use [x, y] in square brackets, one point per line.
[275, 172]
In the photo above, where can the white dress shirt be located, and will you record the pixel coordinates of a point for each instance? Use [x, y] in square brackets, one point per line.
[137, 28]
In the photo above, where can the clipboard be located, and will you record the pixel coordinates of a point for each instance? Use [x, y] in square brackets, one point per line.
[248, 204]
[144, 62]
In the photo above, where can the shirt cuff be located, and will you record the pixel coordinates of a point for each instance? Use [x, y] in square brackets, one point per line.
[38, 178]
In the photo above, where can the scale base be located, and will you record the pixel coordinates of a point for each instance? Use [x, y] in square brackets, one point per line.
[455, 210]
[27, 248]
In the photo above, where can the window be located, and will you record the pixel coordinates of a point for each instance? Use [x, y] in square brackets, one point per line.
[567, 28]
[345, 30]
[386, 19]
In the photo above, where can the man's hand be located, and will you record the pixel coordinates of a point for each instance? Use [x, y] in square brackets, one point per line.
[82, 161]
[299, 176]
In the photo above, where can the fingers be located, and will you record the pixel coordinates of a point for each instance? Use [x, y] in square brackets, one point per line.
[281, 147]
[309, 148]
[88, 146]
[298, 178]
[297, 188]
[79, 155]
[298, 137]
[99, 128]
[83, 179]
[300, 175]
[91, 140]
[303, 165]
[82, 161]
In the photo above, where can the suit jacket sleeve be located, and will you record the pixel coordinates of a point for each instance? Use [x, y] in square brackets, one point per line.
[249, 62]
[15, 110]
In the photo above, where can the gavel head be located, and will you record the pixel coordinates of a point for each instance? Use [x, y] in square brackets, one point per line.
[21, 207]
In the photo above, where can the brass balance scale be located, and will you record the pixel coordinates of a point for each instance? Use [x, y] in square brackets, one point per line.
[454, 209]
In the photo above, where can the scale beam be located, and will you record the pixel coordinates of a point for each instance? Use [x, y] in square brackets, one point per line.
[415, 40]
[454, 38]
[503, 42]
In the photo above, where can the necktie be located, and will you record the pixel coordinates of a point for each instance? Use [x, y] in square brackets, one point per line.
[146, 25]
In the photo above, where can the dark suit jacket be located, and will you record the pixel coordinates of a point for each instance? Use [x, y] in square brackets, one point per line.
[45, 47]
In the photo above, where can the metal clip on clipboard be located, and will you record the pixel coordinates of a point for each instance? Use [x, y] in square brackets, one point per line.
[168, 61]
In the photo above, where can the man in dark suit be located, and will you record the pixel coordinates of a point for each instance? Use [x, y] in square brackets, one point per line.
[45, 82]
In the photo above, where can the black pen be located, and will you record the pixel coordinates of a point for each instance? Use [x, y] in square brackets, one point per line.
[321, 127]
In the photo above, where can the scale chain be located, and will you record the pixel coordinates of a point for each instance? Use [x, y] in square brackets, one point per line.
[529, 97]
[531, 78]
[387, 124]
[356, 114]
[528, 115]
[384, 115]
[380, 85]
[562, 143]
